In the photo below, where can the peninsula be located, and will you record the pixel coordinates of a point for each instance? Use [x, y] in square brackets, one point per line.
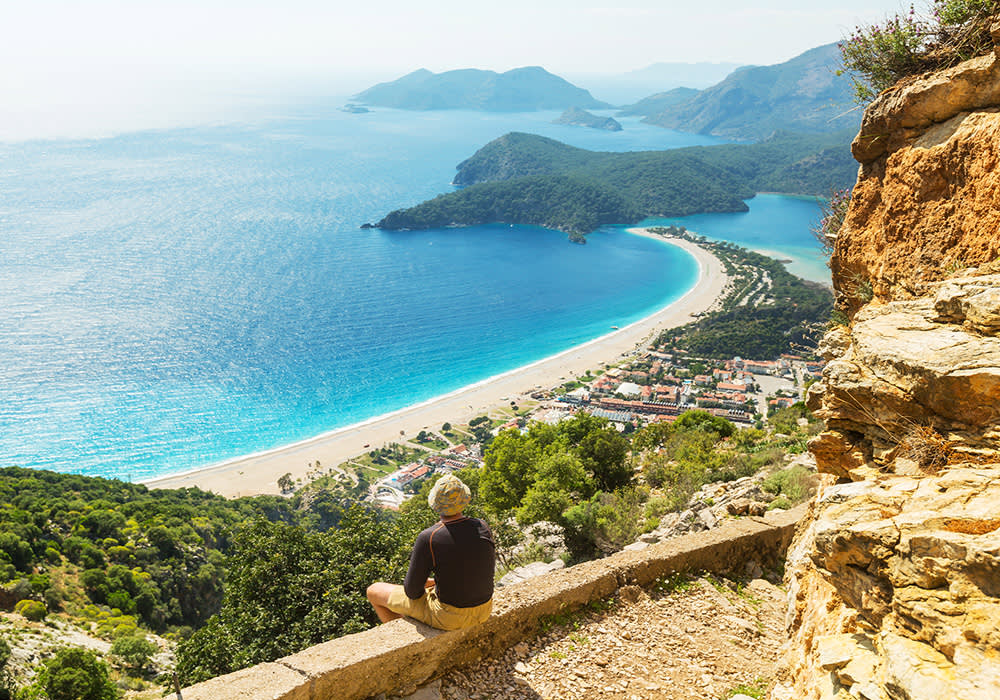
[527, 179]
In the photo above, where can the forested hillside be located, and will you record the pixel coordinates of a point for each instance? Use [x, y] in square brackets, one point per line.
[253, 579]
[528, 179]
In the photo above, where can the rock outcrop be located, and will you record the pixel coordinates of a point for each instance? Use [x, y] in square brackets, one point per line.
[927, 200]
[717, 502]
[894, 580]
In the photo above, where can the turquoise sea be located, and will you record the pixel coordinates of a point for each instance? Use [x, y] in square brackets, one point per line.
[175, 298]
[776, 225]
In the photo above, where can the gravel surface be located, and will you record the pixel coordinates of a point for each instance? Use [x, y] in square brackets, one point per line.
[702, 638]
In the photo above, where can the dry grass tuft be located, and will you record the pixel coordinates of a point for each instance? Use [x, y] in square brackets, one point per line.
[925, 446]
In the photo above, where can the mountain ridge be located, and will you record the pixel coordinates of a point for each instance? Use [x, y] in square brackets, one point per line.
[627, 88]
[807, 93]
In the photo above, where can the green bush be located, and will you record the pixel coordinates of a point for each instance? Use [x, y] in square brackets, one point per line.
[685, 462]
[779, 502]
[75, 674]
[53, 599]
[795, 484]
[880, 55]
[703, 420]
[772, 458]
[786, 420]
[16, 551]
[134, 650]
[657, 507]
[288, 589]
[605, 523]
[31, 609]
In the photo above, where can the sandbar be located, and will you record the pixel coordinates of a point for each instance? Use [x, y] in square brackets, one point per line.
[258, 473]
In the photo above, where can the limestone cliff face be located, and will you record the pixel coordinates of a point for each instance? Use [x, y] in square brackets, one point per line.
[895, 580]
[927, 200]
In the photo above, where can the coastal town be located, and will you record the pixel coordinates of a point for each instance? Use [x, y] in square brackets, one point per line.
[653, 386]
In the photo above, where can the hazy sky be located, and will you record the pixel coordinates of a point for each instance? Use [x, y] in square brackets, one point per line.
[56, 53]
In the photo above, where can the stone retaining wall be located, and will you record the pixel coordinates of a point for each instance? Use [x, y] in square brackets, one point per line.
[399, 656]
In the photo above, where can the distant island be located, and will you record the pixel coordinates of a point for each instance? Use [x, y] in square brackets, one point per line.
[575, 116]
[528, 179]
[519, 90]
[355, 109]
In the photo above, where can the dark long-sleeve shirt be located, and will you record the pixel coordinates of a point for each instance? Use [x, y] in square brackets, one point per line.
[462, 556]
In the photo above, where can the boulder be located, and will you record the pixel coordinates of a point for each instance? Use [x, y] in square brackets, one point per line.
[738, 506]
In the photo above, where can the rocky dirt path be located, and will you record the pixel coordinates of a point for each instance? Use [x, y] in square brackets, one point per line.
[692, 638]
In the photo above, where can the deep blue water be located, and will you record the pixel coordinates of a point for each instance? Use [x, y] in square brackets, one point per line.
[175, 298]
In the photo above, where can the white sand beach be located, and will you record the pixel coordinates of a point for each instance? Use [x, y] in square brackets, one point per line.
[258, 473]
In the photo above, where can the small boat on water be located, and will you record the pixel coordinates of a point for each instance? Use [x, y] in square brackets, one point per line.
[614, 328]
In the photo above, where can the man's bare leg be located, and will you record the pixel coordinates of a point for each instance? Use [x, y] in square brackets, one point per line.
[378, 596]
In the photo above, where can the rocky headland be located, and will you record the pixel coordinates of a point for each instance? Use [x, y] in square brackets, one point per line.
[574, 116]
[894, 578]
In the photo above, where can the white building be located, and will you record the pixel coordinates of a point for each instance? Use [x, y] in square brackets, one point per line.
[629, 389]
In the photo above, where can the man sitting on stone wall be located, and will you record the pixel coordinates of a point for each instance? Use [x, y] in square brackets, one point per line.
[461, 553]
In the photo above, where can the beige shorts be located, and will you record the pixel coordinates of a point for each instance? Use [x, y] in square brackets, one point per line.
[431, 611]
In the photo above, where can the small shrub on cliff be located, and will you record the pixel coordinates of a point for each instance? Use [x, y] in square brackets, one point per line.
[858, 289]
[880, 55]
[795, 485]
[757, 689]
[834, 211]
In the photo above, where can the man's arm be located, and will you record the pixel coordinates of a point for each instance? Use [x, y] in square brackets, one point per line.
[420, 569]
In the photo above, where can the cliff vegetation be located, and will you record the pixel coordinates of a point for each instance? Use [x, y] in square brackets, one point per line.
[878, 56]
[893, 579]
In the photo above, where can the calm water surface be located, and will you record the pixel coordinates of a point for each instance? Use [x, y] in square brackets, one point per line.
[175, 298]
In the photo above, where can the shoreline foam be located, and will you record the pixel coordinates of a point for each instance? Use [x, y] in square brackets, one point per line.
[258, 473]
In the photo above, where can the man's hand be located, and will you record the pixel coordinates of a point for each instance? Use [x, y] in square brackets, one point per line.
[429, 583]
